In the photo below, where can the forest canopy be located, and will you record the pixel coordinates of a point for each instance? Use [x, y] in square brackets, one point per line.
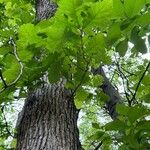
[81, 36]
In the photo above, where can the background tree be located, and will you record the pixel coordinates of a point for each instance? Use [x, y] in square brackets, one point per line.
[110, 35]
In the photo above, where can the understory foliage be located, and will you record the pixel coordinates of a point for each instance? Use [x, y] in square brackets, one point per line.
[81, 35]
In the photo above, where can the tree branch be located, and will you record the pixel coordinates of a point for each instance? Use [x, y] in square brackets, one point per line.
[1, 75]
[125, 83]
[98, 146]
[21, 67]
[138, 85]
[6, 123]
[110, 90]
[80, 83]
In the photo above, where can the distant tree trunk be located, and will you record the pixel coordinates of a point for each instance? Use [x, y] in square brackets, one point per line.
[48, 121]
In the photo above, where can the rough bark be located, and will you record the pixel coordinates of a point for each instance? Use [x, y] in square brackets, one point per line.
[109, 89]
[48, 121]
[44, 9]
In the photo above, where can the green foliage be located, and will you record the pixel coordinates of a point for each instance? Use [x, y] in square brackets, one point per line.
[81, 35]
[122, 47]
[80, 98]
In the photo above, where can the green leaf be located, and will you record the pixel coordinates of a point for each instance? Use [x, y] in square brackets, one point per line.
[136, 112]
[99, 14]
[97, 80]
[96, 46]
[102, 97]
[115, 125]
[28, 35]
[13, 143]
[122, 109]
[127, 23]
[12, 69]
[133, 8]
[5, 50]
[132, 141]
[143, 125]
[96, 125]
[80, 97]
[97, 135]
[95, 43]
[25, 55]
[69, 7]
[54, 71]
[132, 113]
[146, 80]
[114, 33]
[118, 8]
[55, 37]
[122, 47]
[146, 98]
[144, 19]
[138, 42]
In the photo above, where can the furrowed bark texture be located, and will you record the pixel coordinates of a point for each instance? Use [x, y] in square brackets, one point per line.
[108, 89]
[48, 121]
[45, 9]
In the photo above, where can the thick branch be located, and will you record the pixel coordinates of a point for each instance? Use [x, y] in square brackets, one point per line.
[108, 89]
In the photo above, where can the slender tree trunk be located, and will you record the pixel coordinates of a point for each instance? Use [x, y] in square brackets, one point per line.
[48, 121]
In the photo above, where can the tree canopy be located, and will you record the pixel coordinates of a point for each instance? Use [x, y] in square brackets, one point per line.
[81, 35]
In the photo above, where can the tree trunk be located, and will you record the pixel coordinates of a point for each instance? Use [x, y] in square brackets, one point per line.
[48, 121]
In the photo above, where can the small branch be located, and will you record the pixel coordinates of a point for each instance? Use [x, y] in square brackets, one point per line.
[18, 59]
[114, 72]
[21, 67]
[87, 64]
[123, 77]
[80, 83]
[138, 85]
[6, 123]
[81, 39]
[130, 74]
[98, 146]
[1, 75]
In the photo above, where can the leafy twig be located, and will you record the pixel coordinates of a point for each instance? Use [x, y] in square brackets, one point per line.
[87, 64]
[130, 74]
[123, 77]
[80, 83]
[138, 85]
[6, 123]
[11, 41]
[18, 59]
